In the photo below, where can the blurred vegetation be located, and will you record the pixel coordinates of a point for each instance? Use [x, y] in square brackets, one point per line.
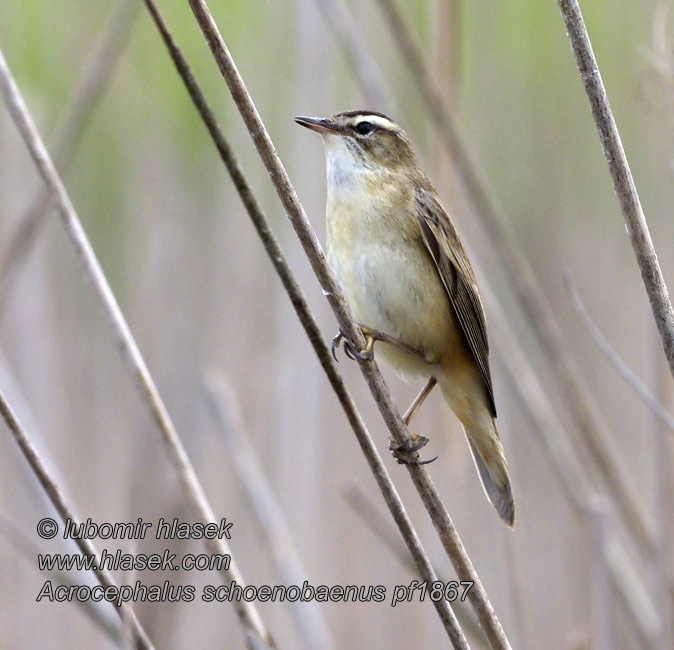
[198, 291]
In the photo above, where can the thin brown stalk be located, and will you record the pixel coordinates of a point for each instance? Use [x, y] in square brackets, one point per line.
[380, 391]
[55, 495]
[67, 133]
[249, 617]
[658, 410]
[621, 175]
[579, 398]
[310, 326]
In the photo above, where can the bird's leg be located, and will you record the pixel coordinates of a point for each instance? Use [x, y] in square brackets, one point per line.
[405, 453]
[371, 336]
[419, 400]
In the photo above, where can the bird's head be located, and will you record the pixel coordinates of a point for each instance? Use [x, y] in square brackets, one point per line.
[362, 141]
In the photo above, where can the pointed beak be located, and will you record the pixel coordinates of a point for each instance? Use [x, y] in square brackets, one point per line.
[319, 124]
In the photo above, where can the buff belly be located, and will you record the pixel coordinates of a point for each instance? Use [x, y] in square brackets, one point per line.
[394, 287]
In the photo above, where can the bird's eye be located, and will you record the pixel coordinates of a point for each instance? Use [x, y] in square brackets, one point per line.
[364, 128]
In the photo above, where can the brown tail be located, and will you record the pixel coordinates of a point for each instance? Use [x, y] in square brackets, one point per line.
[464, 391]
[493, 470]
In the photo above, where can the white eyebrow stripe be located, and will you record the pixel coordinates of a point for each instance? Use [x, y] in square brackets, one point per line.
[379, 121]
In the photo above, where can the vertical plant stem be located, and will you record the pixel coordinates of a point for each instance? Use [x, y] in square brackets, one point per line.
[279, 177]
[621, 175]
[249, 617]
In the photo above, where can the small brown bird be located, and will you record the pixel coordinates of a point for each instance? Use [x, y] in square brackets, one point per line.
[407, 277]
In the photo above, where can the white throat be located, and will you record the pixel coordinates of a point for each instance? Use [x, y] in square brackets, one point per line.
[345, 169]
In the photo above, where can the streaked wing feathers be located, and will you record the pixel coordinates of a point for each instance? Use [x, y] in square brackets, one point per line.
[446, 249]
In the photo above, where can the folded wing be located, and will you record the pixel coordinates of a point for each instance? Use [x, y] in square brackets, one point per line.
[457, 275]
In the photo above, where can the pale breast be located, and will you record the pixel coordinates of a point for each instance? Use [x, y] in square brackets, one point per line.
[388, 276]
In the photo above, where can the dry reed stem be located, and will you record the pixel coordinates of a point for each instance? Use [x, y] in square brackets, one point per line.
[380, 391]
[248, 615]
[580, 402]
[55, 495]
[70, 126]
[310, 326]
[621, 175]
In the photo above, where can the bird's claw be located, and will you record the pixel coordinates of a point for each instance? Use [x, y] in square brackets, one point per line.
[406, 453]
[336, 341]
[364, 355]
[350, 349]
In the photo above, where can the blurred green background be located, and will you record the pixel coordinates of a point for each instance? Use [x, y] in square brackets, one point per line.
[200, 294]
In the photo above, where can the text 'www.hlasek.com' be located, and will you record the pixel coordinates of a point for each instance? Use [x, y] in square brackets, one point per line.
[56, 564]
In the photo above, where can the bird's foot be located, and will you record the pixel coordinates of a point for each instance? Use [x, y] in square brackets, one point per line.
[371, 336]
[406, 453]
[366, 354]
